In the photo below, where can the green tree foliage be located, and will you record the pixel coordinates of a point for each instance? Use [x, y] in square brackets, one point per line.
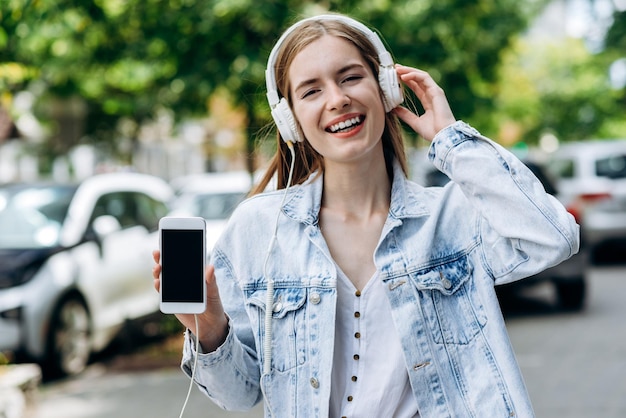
[616, 36]
[615, 44]
[555, 87]
[129, 58]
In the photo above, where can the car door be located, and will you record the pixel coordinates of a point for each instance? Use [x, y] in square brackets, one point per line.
[124, 267]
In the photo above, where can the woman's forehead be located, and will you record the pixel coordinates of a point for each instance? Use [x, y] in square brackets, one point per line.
[323, 53]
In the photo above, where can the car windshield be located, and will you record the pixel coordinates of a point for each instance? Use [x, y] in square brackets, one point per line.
[31, 216]
[613, 167]
[216, 206]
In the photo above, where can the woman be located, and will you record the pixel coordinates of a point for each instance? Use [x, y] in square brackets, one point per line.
[380, 292]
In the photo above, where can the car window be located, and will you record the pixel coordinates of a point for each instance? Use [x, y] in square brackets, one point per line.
[31, 216]
[562, 168]
[120, 205]
[149, 211]
[613, 167]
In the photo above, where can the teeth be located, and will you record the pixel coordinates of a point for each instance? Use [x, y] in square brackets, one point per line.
[345, 124]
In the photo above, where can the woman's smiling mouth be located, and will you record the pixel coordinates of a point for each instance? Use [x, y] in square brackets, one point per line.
[346, 125]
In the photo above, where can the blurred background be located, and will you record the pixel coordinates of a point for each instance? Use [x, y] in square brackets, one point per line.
[114, 113]
[177, 86]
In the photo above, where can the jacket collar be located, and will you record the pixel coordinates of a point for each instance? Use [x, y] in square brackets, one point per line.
[408, 199]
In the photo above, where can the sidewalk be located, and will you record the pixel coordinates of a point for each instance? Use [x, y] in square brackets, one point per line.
[99, 393]
[18, 390]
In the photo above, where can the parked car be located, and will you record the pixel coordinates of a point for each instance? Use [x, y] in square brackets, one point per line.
[591, 178]
[75, 264]
[568, 278]
[212, 196]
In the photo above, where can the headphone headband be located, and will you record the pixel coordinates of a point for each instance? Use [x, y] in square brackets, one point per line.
[392, 93]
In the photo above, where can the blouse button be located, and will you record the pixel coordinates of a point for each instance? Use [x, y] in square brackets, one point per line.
[315, 383]
[350, 398]
[357, 335]
[357, 293]
[315, 298]
[354, 378]
[357, 314]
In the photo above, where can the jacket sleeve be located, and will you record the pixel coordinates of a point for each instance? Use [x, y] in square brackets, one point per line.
[522, 229]
[230, 375]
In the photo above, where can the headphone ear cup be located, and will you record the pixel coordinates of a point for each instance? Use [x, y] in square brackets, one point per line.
[390, 86]
[286, 122]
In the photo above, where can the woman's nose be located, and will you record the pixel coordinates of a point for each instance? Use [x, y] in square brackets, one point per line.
[337, 98]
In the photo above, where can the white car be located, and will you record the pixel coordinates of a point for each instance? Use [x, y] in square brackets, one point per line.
[75, 265]
[591, 178]
[212, 196]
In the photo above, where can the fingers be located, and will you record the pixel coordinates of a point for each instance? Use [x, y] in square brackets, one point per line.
[156, 270]
[437, 113]
[408, 117]
[425, 88]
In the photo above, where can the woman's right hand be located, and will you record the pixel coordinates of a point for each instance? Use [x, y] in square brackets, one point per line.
[213, 322]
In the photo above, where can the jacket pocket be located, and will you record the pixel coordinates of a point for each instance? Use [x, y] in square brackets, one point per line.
[288, 327]
[450, 301]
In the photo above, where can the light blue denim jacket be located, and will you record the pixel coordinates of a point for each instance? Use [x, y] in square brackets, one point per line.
[440, 253]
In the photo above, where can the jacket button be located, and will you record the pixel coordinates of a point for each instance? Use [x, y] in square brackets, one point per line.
[277, 307]
[315, 383]
[315, 298]
[445, 282]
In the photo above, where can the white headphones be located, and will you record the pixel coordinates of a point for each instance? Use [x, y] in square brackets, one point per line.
[387, 77]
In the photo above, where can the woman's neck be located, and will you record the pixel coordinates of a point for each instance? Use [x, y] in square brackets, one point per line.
[357, 190]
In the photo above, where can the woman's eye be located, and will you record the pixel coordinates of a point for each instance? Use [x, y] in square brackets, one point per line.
[308, 93]
[352, 78]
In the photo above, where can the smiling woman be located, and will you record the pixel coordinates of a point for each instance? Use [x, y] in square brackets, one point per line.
[356, 292]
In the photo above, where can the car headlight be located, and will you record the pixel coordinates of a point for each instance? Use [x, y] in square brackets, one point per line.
[18, 276]
[14, 314]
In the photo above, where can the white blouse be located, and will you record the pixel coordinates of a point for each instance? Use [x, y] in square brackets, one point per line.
[369, 376]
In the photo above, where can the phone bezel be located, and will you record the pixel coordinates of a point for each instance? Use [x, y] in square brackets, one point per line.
[183, 223]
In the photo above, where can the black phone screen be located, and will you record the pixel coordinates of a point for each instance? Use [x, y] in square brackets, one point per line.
[182, 256]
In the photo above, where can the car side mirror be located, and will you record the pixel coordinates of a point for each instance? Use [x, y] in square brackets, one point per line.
[105, 225]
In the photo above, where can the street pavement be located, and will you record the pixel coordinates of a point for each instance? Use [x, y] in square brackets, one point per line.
[574, 365]
[154, 394]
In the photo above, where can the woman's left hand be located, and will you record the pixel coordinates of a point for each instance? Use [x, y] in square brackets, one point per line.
[437, 113]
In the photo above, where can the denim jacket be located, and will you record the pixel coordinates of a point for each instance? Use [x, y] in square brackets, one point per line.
[440, 254]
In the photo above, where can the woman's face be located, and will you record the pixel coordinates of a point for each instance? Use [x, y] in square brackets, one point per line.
[336, 100]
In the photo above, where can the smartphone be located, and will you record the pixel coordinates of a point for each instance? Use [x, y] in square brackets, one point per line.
[183, 259]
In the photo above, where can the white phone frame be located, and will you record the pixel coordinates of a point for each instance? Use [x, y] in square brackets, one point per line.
[183, 223]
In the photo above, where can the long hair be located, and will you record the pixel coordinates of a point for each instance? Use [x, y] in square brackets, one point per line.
[308, 160]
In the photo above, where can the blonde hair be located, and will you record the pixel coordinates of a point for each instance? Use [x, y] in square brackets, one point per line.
[308, 160]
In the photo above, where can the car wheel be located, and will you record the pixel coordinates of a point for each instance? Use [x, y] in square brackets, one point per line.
[69, 339]
[571, 293]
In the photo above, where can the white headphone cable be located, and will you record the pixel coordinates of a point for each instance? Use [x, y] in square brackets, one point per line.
[269, 300]
[193, 372]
